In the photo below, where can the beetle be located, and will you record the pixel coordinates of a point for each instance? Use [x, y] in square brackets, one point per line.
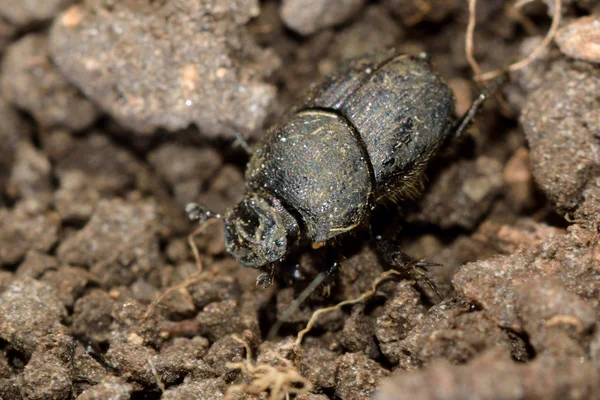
[361, 137]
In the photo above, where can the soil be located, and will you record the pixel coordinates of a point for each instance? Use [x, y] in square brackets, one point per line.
[115, 115]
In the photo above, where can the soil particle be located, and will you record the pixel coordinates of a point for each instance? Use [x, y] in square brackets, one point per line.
[317, 364]
[26, 227]
[225, 350]
[579, 39]
[472, 186]
[12, 130]
[69, 282]
[358, 334]
[311, 396]
[412, 12]
[45, 377]
[92, 316]
[205, 389]
[449, 331]
[30, 176]
[30, 310]
[205, 67]
[32, 82]
[507, 238]
[144, 365]
[374, 26]
[493, 375]
[399, 315]
[36, 264]
[112, 387]
[185, 169]
[557, 322]
[358, 273]
[91, 168]
[214, 289]
[518, 180]
[357, 377]
[561, 123]
[223, 318]
[307, 18]
[27, 12]
[493, 283]
[7, 32]
[86, 370]
[119, 242]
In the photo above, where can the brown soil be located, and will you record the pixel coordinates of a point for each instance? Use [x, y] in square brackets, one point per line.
[114, 115]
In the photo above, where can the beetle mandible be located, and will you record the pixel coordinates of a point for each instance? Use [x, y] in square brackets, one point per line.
[361, 137]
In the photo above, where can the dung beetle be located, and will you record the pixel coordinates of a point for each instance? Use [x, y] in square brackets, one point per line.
[361, 137]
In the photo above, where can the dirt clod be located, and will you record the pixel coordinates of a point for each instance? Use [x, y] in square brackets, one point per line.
[120, 239]
[206, 68]
[32, 82]
[580, 38]
[45, 377]
[24, 228]
[22, 13]
[561, 123]
[110, 388]
[308, 18]
[570, 258]
[357, 376]
[116, 114]
[31, 310]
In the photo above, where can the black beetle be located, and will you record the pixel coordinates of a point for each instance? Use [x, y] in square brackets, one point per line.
[361, 137]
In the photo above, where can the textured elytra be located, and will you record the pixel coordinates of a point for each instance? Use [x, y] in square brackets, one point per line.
[401, 108]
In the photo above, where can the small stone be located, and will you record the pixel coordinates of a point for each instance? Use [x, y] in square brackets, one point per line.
[581, 39]
[309, 17]
[31, 81]
[30, 310]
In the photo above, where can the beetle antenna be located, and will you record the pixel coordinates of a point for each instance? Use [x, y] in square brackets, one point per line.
[198, 213]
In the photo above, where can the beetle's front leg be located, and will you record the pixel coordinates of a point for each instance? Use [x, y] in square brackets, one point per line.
[241, 141]
[265, 279]
[332, 269]
[400, 261]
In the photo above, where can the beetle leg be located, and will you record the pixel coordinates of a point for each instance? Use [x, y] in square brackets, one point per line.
[333, 268]
[265, 279]
[402, 262]
[241, 141]
[463, 124]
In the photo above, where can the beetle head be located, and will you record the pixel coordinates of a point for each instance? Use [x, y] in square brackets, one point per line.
[259, 231]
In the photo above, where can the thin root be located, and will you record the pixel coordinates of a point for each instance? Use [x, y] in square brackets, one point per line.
[479, 76]
[282, 380]
[362, 297]
[193, 278]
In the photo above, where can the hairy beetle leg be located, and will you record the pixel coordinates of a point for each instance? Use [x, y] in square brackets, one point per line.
[402, 262]
[463, 124]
